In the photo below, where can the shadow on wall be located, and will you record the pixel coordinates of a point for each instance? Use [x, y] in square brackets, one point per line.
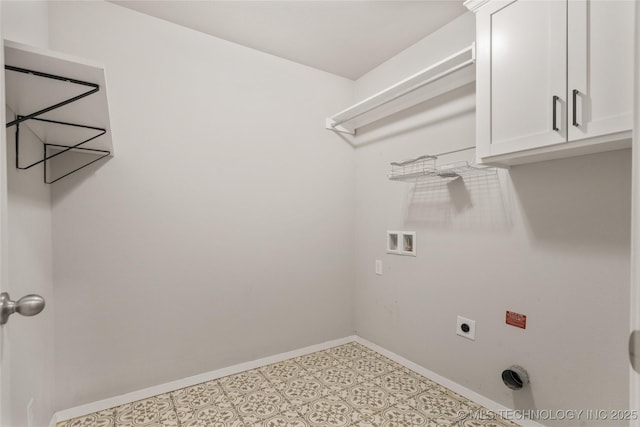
[523, 399]
[74, 162]
[581, 202]
[69, 162]
[468, 203]
[442, 108]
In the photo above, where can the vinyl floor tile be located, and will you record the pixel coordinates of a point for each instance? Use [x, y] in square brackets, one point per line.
[283, 371]
[260, 405]
[401, 384]
[200, 396]
[339, 376]
[156, 411]
[317, 361]
[302, 389]
[369, 399]
[282, 420]
[329, 413]
[244, 382]
[209, 416]
[97, 419]
[347, 352]
[400, 416]
[345, 386]
[370, 367]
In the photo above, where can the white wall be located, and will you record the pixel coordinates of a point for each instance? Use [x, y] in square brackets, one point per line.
[29, 341]
[26, 22]
[550, 240]
[221, 230]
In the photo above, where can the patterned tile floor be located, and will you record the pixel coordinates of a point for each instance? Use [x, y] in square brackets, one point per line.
[349, 385]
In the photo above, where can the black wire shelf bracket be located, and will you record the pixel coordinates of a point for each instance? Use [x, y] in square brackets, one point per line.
[60, 149]
[100, 131]
[94, 88]
[102, 155]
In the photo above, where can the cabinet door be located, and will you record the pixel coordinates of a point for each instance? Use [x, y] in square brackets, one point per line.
[522, 54]
[600, 67]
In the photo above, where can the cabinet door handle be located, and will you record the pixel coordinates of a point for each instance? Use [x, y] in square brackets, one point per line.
[555, 112]
[575, 108]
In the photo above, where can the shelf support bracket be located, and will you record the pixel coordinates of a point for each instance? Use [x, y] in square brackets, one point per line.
[102, 154]
[61, 148]
[94, 88]
[64, 148]
[330, 124]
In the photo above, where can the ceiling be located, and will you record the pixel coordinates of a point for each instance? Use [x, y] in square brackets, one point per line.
[347, 38]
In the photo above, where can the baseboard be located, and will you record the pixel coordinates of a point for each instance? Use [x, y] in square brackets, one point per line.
[453, 386]
[101, 405]
[111, 402]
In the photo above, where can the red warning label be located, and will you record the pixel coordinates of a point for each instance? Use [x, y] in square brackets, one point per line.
[516, 319]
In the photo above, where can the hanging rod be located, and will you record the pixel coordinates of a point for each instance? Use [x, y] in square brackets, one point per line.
[417, 159]
[398, 95]
[471, 147]
[429, 76]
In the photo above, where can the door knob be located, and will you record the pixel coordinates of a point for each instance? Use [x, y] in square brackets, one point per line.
[28, 305]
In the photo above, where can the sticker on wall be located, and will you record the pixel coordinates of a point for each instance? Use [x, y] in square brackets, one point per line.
[401, 242]
[516, 319]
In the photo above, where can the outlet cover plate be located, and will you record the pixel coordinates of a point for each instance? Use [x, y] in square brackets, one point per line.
[471, 333]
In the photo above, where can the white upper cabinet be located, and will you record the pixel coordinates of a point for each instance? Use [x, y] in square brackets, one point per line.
[600, 67]
[527, 70]
[554, 78]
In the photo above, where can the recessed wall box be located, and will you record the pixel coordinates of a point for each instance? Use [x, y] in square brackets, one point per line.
[401, 242]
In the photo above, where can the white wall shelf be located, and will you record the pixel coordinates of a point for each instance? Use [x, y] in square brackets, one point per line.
[443, 76]
[58, 102]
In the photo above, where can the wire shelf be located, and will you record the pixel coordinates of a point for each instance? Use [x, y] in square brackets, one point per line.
[410, 169]
[424, 168]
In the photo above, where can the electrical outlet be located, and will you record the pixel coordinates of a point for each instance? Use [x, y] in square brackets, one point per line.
[379, 267]
[466, 328]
